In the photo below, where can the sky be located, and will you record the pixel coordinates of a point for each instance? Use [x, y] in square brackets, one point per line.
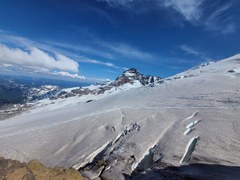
[95, 40]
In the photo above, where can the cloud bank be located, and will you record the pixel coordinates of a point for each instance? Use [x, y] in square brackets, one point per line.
[190, 9]
[67, 74]
[34, 57]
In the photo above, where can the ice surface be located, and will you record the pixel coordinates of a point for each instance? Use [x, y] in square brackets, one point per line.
[67, 132]
[189, 149]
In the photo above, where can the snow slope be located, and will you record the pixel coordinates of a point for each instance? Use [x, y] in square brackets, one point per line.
[121, 128]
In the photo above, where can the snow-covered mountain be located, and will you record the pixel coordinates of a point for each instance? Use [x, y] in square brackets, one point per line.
[140, 132]
[29, 96]
[132, 76]
[41, 92]
[15, 90]
[129, 79]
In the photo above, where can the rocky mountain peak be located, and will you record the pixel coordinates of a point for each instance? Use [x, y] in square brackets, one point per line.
[128, 76]
[131, 78]
[131, 72]
[132, 75]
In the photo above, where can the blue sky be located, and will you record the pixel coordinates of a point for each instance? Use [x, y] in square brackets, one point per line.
[98, 39]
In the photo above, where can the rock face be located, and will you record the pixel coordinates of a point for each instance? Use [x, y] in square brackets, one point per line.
[132, 75]
[11, 170]
[14, 170]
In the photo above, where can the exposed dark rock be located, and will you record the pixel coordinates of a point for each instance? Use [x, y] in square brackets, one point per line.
[9, 110]
[231, 71]
[81, 91]
[88, 101]
[191, 172]
[104, 88]
[132, 74]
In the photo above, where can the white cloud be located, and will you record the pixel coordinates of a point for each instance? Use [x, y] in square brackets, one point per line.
[35, 58]
[67, 74]
[195, 12]
[108, 50]
[230, 28]
[82, 48]
[7, 65]
[190, 9]
[218, 12]
[193, 51]
[126, 50]
[130, 51]
[117, 2]
[94, 61]
[32, 58]
[190, 50]
[66, 49]
[219, 21]
[212, 15]
[97, 51]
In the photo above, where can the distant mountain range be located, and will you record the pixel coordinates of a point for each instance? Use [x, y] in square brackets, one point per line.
[21, 89]
[14, 90]
[129, 79]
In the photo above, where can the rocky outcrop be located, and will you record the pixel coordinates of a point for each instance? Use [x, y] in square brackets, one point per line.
[41, 92]
[34, 170]
[7, 111]
[131, 75]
